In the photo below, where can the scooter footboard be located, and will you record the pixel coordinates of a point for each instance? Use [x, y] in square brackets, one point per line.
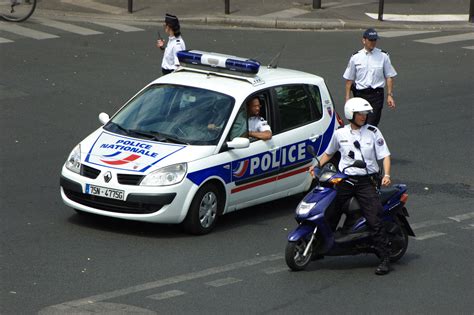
[302, 231]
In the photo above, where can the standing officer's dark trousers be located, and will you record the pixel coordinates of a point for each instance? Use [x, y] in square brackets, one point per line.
[364, 191]
[376, 98]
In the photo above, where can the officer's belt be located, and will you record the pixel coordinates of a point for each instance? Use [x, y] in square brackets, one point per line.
[370, 91]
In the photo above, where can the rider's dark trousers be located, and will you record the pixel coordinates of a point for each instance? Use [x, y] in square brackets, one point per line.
[364, 190]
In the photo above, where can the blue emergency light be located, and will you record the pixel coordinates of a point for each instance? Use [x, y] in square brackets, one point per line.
[218, 62]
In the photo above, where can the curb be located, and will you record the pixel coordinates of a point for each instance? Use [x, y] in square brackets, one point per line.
[264, 23]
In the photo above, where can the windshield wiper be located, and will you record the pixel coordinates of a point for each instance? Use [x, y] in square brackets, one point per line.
[158, 136]
[120, 127]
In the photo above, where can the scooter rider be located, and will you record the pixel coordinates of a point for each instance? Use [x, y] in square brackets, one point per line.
[359, 141]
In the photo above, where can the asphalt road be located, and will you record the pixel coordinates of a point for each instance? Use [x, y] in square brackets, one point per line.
[54, 261]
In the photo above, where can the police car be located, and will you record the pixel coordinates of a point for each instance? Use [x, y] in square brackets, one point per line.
[176, 153]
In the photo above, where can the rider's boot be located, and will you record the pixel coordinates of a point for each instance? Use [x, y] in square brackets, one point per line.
[384, 267]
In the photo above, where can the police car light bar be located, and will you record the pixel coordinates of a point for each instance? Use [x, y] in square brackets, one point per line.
[218, 62]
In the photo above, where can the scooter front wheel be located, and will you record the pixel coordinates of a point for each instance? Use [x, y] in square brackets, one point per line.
[294, 255]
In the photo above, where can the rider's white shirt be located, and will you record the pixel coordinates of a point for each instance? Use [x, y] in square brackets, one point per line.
[372, 145]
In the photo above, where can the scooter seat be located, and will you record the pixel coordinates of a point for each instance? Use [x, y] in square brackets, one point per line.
[387, 193]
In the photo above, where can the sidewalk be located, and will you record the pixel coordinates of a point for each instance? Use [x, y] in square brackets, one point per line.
[282, 14]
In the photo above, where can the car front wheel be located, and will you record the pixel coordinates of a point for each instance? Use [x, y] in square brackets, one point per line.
[203, 212]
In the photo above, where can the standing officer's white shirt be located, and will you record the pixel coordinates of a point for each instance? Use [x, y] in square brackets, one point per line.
[258, 124]
[372, 145]
[170, 57]
[369, 69]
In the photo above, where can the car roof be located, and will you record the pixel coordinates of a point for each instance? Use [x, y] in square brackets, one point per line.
[236, 85]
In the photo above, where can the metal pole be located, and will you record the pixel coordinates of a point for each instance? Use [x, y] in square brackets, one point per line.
[381, 10]
[130, 6]
[227, 6]
[471, 12]
[316, 4]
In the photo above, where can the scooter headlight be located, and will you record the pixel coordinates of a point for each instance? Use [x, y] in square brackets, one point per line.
[304, 207]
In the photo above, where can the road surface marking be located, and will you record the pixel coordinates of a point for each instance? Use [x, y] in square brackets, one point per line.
[4, 40]
[222, 282]
[120, 27]
[166, 295]
[469, 47]
[67, 27]
[337, 5]
[390, 34]
[286, 14]
[428, 235]
[23, 31]
[272, 270]
[89, 4]
[421, 17]
[462, 217]
[447, 39]
[424, 224]
[71, 305]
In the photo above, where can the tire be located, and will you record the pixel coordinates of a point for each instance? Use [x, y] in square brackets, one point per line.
[22, 11]
[205, 208]
[398, 243]
[294, 255]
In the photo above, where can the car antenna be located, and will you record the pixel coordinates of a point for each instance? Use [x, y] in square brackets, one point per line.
[274, 62]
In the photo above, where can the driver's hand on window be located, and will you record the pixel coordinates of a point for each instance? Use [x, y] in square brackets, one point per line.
[213, 127]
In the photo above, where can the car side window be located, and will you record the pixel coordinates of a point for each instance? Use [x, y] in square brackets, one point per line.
[240, 125]
[317, 103]
[294, 105]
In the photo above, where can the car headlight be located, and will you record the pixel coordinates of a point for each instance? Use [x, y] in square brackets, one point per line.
[166, 176]
[304, 207]
[73, 162]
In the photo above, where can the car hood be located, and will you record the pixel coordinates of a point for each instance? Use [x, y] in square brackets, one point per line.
[110, 150]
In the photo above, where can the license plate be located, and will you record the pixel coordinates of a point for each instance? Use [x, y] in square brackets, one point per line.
[104, 192]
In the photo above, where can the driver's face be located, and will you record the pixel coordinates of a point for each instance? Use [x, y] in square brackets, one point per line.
[254, 107]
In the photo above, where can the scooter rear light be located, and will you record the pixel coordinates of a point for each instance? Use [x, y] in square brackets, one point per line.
[404, 198]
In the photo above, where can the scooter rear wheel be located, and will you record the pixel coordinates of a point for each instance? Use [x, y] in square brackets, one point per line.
[294, 255]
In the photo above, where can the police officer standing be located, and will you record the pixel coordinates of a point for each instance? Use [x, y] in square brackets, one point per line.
[175, 43]
[359, 141]
[367, 73]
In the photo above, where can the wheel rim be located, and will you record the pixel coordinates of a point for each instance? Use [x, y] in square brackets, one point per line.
[299, 259]
[208, 209]
[398, 244]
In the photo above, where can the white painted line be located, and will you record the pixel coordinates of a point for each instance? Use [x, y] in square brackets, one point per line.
[428, 235]
[272, 270]
[120, 27]
[390, 34]
[421, 17]
[286, 14]
[4, 40]
[424, 224]
[469, 47]
[469, 227]
[222, 282]
[447, 39]
[72, 305]
[89, 4]
[462, 217]
[67, 27]
[337, 5]
[23, 31]
[166, 295]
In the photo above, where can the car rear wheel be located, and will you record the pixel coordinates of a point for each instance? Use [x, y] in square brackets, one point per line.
[203, 212]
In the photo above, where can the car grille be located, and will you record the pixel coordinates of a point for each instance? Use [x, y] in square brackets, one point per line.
[126, 179]
[112, 205]
[89, 172]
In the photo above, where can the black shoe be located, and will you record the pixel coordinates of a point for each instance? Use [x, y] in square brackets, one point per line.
[384, 267]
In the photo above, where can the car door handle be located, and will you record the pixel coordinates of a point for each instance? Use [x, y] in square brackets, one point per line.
[274, 149]
[314, 138]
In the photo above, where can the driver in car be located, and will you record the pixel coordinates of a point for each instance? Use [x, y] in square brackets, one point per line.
[258, 126]
[359, 141]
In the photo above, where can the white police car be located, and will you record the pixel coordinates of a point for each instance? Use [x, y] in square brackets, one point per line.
[176, 152]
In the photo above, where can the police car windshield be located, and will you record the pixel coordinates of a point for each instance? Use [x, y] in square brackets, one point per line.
[176, 114]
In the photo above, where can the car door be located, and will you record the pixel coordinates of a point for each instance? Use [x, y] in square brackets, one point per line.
[300, 121]
[254, 169]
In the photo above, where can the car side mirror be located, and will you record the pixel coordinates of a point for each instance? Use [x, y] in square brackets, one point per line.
[238, 143]
[104, 118]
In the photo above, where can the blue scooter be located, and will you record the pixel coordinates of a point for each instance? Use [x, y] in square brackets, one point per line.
[313, 238]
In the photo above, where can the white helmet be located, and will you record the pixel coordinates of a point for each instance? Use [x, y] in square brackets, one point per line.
[356, 104]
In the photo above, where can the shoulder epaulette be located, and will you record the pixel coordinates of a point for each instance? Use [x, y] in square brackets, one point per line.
[355, 53]
[372, 128]
[384, 52]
